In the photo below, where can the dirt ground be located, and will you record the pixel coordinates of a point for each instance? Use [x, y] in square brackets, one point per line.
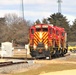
[65, 72]
[69, 59]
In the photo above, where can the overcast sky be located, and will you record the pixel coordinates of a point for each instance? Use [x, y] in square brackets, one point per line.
[38, 9]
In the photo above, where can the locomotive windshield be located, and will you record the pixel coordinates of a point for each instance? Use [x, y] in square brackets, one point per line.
[38, 29]
[42, 29]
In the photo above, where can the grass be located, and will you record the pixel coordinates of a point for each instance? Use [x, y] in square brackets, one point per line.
[48, 68]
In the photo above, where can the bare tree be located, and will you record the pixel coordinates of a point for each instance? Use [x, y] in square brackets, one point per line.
[19, 29]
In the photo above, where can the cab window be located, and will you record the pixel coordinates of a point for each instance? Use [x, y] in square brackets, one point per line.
[51, 31]
[32, 31]
[63, 33]
[57, 32]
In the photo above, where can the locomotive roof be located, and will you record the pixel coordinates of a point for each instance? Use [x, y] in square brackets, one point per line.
[48, 25]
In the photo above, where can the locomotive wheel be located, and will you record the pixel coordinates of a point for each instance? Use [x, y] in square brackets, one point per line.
[62, 54]
[57, 53]
[65, 51]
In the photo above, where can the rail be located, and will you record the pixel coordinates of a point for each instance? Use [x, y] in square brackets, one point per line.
[3, 64]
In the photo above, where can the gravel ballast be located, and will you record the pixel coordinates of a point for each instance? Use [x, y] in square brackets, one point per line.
[18, 68]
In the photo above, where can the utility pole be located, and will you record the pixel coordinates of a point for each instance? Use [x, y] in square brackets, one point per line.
[59, 6]
[23, 23]
[22, 9]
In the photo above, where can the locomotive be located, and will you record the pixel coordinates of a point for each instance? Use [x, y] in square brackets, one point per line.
[46, 40]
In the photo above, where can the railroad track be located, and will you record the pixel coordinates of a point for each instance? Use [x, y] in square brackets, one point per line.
[22, 60]
[3, 64]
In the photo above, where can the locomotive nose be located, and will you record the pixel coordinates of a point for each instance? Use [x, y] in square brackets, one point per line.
[40, 35]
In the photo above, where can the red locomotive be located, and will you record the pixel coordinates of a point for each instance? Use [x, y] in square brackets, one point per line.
[47, 41]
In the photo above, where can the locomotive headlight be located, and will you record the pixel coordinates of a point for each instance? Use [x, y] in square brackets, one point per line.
[34, 46]
[46, 46]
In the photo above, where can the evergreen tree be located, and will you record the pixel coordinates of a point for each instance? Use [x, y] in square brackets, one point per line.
[73, 32]
[59, 20]
[45, 21]
[38, 21]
